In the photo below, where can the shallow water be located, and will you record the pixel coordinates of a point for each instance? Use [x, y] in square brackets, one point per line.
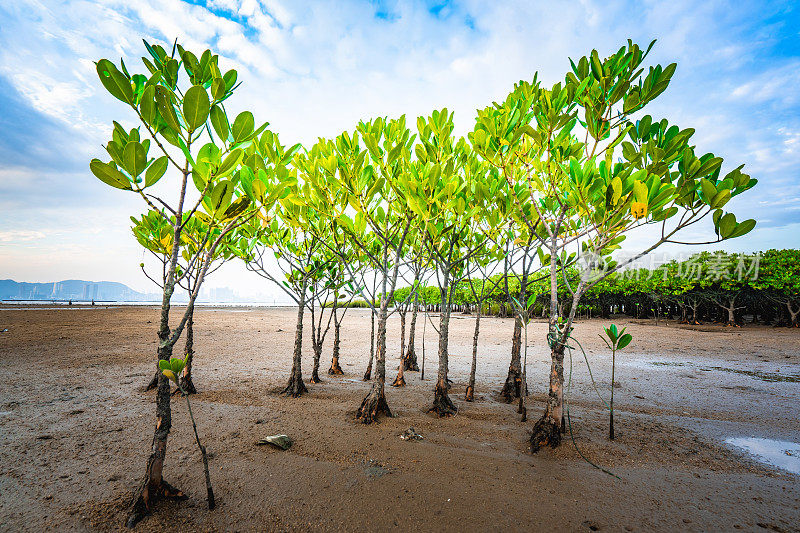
[770, 377]
[64, 308]
[779, 453]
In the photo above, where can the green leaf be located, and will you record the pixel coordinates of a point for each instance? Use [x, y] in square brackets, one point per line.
[394, 153]
[115, 81]
[229, 163]
[236, 208]
[720, 199]
[375, 188]
[221, 196]
[230, 79]
[259, 189]
[624, 341]
[199, 182]
[147, 104]
[726, 225]
[196, 107]
[220, 122]
[242, 126]
[616, 190]
[531, 300]
[640, 192]
[176, 365]
[135, 158]
[163, 364]
[109, 175]
[709, 191]
[155, 171]
[597, 67]
[165, 109]
[185, 150]
[218, 88]
[743, 228]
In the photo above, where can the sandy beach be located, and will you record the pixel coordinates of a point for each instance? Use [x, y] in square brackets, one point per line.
[76, 426]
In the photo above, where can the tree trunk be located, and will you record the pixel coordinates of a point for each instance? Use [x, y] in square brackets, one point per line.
[731, 315]
[524, 386]
[547, 430]
[730, 308]
[424, 329]
[402, 333]
[153, 487]
[335, 369]
[694, 305]
[368, 373]
[400, 381]
[410, 357]
[374, 402]
[512, 389]
[186, 377]
[316, 337]
[469, 396]
[793, 313]
[442, 405]
[317, 347]
[295, 388]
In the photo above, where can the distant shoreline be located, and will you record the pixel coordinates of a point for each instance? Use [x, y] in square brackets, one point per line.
[112, 303]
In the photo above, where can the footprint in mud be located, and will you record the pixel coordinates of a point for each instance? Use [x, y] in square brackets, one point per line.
[591, 525]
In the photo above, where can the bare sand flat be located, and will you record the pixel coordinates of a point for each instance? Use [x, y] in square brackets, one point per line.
[75, 430]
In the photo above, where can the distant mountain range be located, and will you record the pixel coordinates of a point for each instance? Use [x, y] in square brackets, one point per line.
[110, 291]
[72, 289]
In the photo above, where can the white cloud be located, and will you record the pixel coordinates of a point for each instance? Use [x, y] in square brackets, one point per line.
[315, 68]
[20, 236]
[777, 85]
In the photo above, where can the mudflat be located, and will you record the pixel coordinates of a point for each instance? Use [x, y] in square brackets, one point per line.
[76, 428]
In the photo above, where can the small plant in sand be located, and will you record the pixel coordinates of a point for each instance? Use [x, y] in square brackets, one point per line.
[171, 370]
[615, 339]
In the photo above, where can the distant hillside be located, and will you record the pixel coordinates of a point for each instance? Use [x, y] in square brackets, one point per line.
[71, 289]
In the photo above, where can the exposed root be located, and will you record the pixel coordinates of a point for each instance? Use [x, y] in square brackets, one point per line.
[147, 495]
[470, 394]
[512, 387]
[335, 369]
[546, 432]
[295, 388]
[315, 377]
[374, 404]
[399, 381]
[368, 374]
[410, 360]
[187, 384]
[153, 382]
[443, 406]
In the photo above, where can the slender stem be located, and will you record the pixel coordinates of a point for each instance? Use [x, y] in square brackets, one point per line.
[209, 490]
[611, 404]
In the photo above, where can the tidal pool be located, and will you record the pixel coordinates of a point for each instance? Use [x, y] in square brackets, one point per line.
[780, 453]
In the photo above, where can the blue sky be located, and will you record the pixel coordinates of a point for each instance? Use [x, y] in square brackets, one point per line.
[315, 68]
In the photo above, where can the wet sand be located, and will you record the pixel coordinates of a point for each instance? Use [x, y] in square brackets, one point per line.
[75, 429]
